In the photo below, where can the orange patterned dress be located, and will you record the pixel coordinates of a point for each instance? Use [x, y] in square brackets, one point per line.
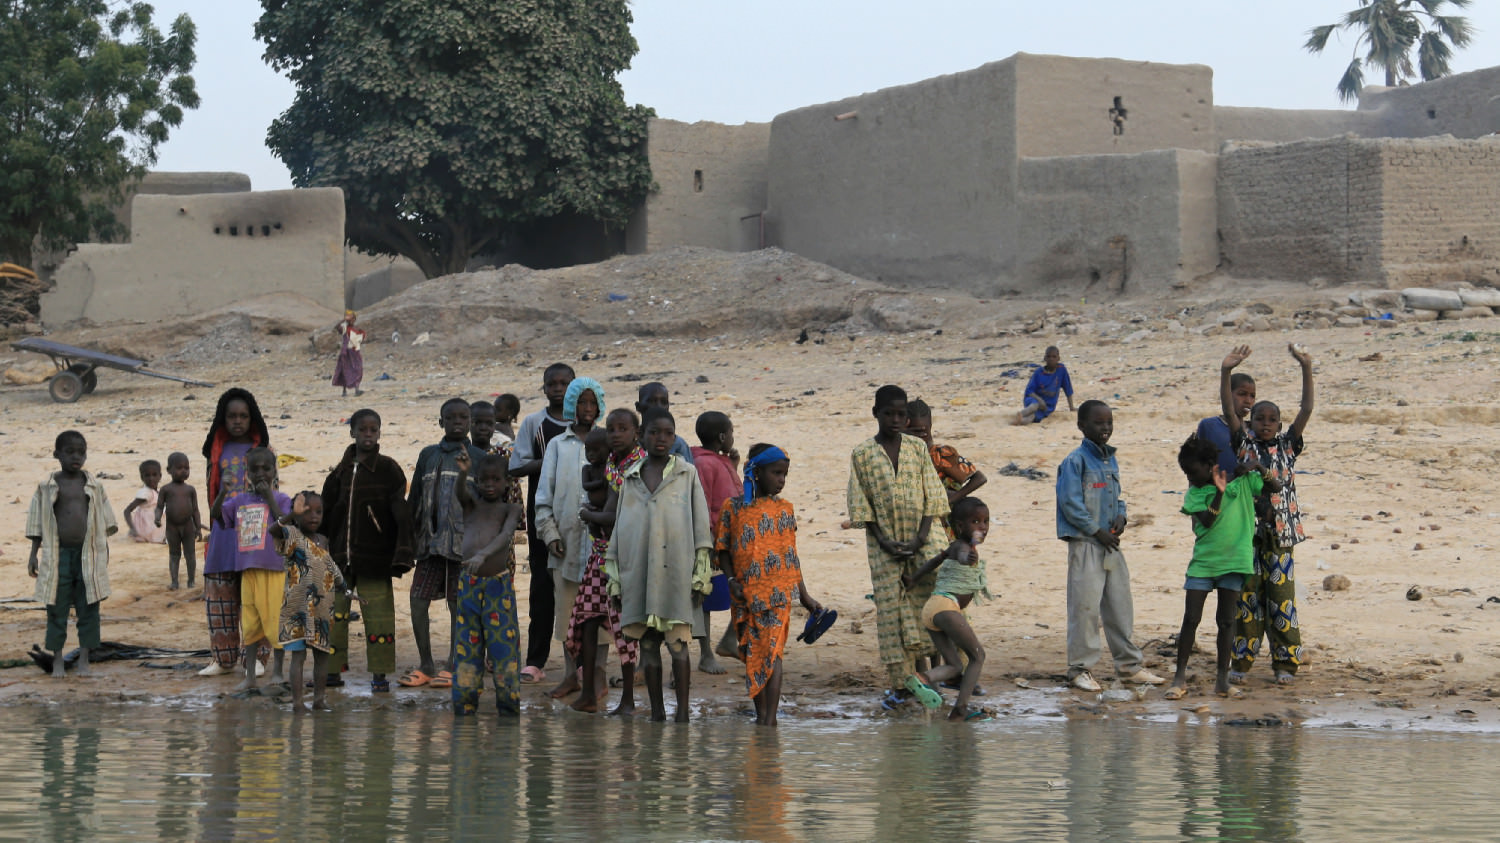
[761, 540]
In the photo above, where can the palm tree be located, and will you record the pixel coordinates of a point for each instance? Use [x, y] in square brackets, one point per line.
[1389, 29]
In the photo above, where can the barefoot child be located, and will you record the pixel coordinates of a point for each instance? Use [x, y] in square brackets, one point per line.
[1042, 390]
[658, 562]
[236, 428]
[69, 522]
[536, 431]
[485, 627]
[1090, 518]
[350, 368]
[594, 610]
[1268, 603]
[591, 608]
[558, 500]
[312, 582]
[961, 578]
[894, 494]
[178, 502]
[138, 513]
[439, 538]
[757, 548]
[260, 566]
[1223, 513]
[369, 532]
[718, 470]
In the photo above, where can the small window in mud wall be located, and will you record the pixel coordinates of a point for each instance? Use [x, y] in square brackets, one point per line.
[1117, 114]
[697, 181]
[251, 230]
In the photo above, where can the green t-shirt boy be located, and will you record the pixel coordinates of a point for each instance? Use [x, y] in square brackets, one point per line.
[1225, 547]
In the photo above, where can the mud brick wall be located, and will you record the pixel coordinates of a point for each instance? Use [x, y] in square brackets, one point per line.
[1440, 210]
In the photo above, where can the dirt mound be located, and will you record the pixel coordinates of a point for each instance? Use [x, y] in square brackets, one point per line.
[686, 292]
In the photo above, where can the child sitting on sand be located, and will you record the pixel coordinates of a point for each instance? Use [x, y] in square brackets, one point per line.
[139, 512]
[312, 582]
[961, 578]
[658, 563]
[757, 548]
[178, 502]
[1042, 389]
[1268, 603]
[485, 629]
[69, 522]
[1223, 513]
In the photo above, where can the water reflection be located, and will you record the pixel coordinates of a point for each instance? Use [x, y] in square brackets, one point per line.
[247, 773]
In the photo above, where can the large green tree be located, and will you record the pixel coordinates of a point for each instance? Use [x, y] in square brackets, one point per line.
[88, 90]
[452, 123]
[1388, 31]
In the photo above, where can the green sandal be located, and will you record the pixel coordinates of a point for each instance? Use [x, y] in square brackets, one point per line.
[924, 693]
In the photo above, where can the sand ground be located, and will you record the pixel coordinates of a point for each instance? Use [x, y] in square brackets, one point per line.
[1399, 490]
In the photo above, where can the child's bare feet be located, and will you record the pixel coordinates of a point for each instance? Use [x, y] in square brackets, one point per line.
[245, 685]
[706, 661]
[586, 705]
[173, 586]
[58, 671]
[565, 688]
[682, 714]
[82, 667]
[321, 704]
[626, 708]
[299, 708]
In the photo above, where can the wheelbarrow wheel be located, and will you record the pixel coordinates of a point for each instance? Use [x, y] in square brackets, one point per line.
[86, 374]
[65, 387]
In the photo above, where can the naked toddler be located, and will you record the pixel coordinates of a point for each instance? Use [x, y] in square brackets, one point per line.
[178, 502]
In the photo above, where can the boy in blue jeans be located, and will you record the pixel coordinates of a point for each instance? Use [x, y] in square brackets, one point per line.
[1223, 513]
[1090, 518]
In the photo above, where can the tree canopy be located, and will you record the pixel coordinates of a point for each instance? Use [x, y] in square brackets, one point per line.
[1388, 30]
[88, 90]
[449, 124]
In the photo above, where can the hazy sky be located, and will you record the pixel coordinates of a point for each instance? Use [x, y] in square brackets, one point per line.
[738, 62]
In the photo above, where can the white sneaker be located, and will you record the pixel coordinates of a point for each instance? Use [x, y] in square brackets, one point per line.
[215, 669]
[1085, 682]
[1143, 677]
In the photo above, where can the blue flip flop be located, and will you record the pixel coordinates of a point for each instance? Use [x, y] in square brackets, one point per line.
[817, 624]
[924, 693]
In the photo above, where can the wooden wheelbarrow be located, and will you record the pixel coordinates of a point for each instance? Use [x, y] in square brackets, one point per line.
[76, 368]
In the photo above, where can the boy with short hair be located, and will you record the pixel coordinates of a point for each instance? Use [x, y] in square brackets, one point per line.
[484, 627]
[1090, 518]
[1042, 390]
[536, 431]
[1223, 513]
[178, 502]
[69, 522]
[654, 394]
[718, 470]
[438, 537]
[481, 424]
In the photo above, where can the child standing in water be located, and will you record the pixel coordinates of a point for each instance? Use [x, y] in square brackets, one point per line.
[237, 427]
[961, 578]
[439, 539]
[718, 470]
[139, 513]
[485, 628]
[369, 531]
[757, 547]
[69, 523]
[1223, 513]
[1046, 383]
[658, 561]
[184, 529]
[261, 567]
[593, 611]
[312, 582]
[894, 494]
[1268, 603]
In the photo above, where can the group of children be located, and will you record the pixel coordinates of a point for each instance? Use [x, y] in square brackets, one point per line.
[634, 538]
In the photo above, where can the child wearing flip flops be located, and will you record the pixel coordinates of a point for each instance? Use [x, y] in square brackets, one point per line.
[1223, 513]
[757, 549]
[961, 578]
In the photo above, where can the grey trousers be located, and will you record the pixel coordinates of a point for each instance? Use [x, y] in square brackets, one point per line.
[1099, 590]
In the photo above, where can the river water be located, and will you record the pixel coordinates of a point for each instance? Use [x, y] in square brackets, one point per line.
[245, 772]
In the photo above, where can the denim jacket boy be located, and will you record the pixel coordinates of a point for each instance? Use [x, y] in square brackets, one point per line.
[1088, 491]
